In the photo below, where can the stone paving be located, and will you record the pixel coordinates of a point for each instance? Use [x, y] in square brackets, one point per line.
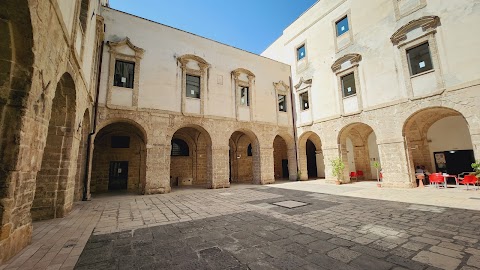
[251, 227]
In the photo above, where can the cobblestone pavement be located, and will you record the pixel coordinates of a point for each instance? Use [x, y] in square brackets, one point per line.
[246, 228]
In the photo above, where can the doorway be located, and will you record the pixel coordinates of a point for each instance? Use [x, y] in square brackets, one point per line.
[118, 177]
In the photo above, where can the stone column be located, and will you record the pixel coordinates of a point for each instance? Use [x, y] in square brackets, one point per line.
[320, 163]
[475, 135]
[302, 160]
[219, 163]
[292, 164]
[330, 153]
[267, 171]
[396, 166]
[157, 171]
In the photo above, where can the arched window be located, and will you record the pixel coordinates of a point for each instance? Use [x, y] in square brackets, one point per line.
[249, 150]
[180, 148]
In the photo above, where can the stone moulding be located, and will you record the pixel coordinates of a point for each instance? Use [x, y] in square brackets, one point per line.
[126, 41]
[239, 71]
[281, 86]
[303, 81]
[426, 22]
[354, 58]
[184, 59]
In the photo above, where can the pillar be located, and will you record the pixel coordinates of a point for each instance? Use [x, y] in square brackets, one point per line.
[266, 167]
[220, 167]
[157, 171]
[396, 164]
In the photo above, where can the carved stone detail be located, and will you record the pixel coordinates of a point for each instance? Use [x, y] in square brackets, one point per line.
[303, 81]
[427, 23]
[354, 58]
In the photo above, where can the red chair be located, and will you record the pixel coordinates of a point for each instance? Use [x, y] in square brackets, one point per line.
[436, 178]
[360, 175]
[469, 180]
[353, 175]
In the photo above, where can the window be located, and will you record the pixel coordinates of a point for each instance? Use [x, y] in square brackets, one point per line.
[84, 14]
[249, 150]
[304, 101]
[244, 96]
[120, 142]
[282, 103]
[301, 52]
[419, 59]
[193, 86]
[342, 26]
[124, 74]
[348, 85]
[180, 148]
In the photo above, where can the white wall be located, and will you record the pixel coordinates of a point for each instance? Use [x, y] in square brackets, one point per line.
[450, 133]
[380, 71]
[160, 75]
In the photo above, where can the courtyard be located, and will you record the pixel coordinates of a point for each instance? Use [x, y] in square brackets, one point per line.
[289, 225]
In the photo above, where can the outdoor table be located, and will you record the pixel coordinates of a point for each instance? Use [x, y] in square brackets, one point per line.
[445, 176]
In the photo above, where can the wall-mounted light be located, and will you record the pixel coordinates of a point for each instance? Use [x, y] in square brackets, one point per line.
[453, 152]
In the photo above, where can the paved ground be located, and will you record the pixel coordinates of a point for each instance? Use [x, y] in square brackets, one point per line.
[243, 228]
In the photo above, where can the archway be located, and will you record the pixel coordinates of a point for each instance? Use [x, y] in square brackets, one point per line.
[312, 163]
[359, 150]
[244, 158]
[119, 159]
[191, 157]
[82, 155]
[55, 180]
[439, 139]
[18, 148]
[281, 158]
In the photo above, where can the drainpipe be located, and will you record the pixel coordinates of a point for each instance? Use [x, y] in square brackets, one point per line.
[94, 129]
[294, 121]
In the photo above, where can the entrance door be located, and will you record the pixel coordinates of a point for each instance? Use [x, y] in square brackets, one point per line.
[118, 175]
[285, 168]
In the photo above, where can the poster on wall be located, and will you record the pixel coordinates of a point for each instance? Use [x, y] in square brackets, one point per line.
[440, 160]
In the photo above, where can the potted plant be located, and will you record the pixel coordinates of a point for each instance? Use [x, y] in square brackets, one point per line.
[476, 168]
[337, 170]
[376, 165]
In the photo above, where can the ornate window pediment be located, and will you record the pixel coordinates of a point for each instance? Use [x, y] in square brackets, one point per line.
[185, 59]
[237, 74]
[117, 46]
[303, 83]
[427, 23]
[354, 58]
[281, 87]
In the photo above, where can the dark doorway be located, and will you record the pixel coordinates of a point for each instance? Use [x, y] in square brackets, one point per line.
[285, 168]
[454, 162]
[311, 160]
[118, 177]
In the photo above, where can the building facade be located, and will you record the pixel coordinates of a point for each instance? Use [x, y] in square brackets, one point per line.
[95, 100]
[388, 81]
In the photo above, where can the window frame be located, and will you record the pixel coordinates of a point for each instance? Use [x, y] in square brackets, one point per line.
[300, 98]
[337, 25]
[199, 92]
[300, 57]
[284, 109]
[344, 93]
[242, 88]
[129, 86]
[347, 36]
[410, 64]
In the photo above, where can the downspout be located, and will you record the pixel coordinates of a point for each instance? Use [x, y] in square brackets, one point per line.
[94, 129]
[294, 122]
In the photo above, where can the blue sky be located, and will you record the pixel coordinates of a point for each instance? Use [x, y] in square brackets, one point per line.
[250, 25]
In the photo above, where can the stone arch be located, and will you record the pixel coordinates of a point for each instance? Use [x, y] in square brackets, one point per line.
[119, 158]
[16, 65]
[143, 134]
[310, 157]
[196, 169]
[82, 156]
[56, 179]
[355, 142]
[245, 169]
[453, 142]
[284, 157]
